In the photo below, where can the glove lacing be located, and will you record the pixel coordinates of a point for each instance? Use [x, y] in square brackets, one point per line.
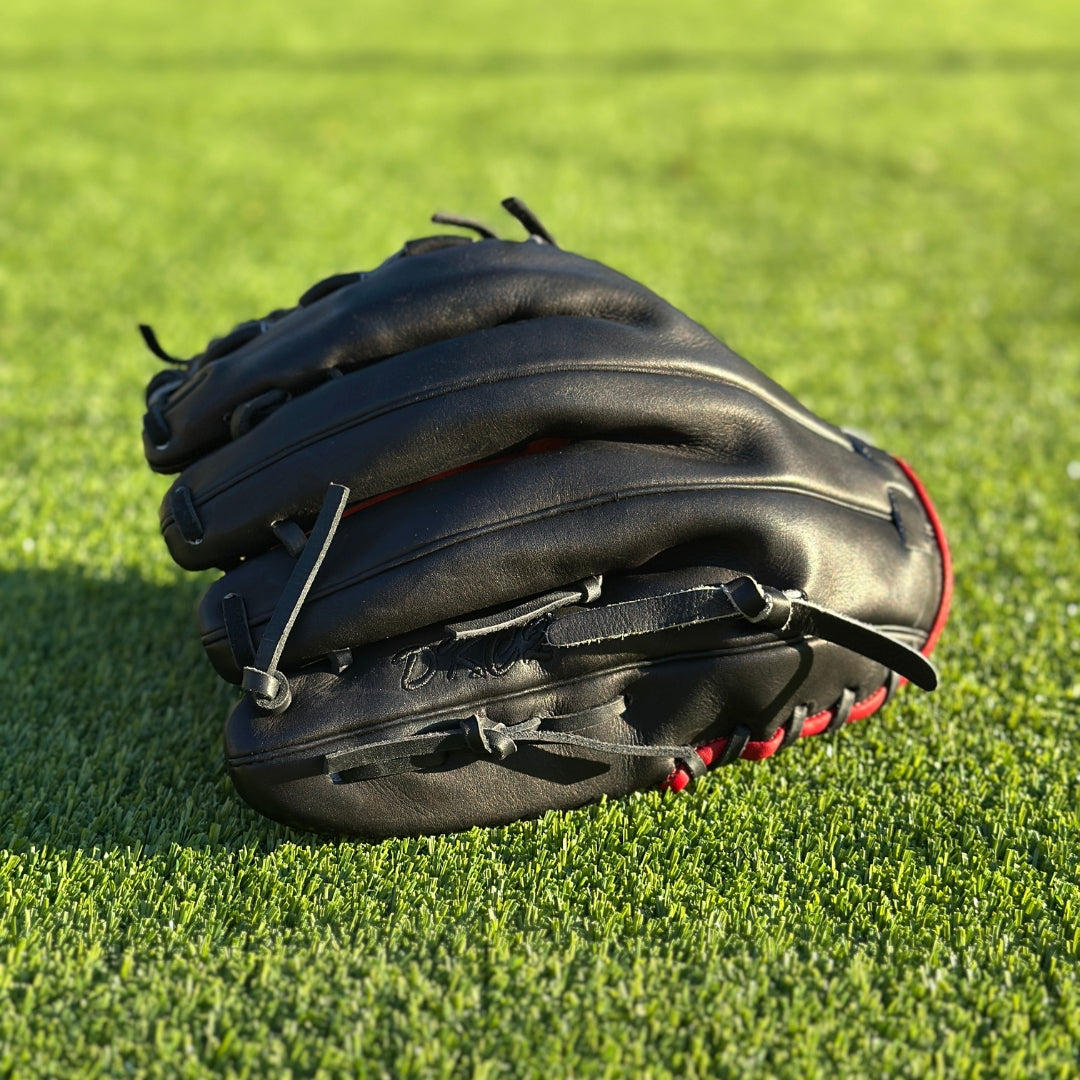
[486, 738]
[743, 598]
[267, 685]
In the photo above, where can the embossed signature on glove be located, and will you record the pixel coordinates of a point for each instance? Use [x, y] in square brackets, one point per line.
[473, 658]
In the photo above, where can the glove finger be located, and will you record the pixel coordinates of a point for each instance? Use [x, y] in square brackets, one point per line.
[532, 524]
[451, 405]
[406, 303]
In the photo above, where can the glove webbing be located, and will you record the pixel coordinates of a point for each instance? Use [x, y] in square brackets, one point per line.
[486, 738]
[765, 607]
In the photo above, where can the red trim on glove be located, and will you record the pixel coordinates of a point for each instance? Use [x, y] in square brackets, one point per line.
[537, 446]
[946, 558]
[816, 724]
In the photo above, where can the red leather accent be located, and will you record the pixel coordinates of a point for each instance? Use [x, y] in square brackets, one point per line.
[946, 558]
[679, 778]
[537, 446]
[816, 724]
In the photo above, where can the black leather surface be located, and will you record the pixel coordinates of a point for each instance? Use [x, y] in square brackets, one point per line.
[492, 535]
[683, 686]
[668, 459]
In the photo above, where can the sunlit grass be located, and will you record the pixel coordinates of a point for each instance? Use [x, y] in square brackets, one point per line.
[881, 212]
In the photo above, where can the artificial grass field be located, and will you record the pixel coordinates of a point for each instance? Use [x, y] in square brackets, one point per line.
[880, 210]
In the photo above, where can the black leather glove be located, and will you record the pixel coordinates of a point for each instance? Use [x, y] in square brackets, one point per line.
[503, 531]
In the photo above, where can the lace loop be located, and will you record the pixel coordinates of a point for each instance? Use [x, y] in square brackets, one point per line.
[843, 711]
[268, 686]
[465, 223]
[795, 726]
[583, 592]
[515, 207]
[154, 346]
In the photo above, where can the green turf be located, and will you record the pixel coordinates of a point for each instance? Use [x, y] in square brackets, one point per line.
[881, 210]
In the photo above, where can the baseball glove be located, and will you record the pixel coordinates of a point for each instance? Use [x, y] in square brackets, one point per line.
[504, 532]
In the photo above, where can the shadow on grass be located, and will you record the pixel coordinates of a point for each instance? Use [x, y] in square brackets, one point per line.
[111, 719]
[112, 722]
[111, 725]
